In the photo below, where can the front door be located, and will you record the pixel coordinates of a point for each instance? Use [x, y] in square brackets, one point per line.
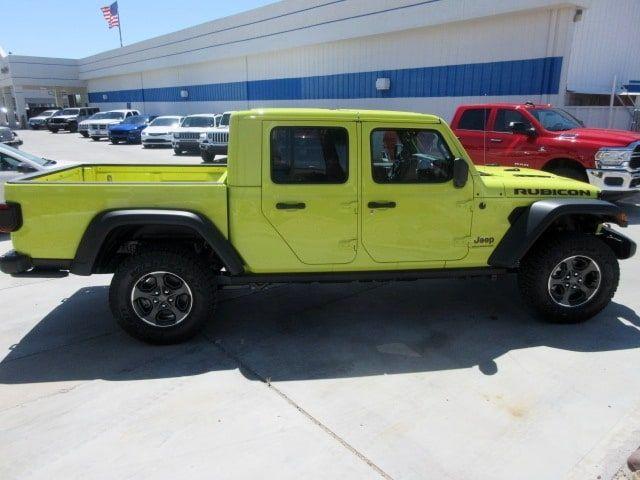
[411, 210]
[310, 188]
[509, 149]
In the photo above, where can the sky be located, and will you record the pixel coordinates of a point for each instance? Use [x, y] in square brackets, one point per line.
[76, 28]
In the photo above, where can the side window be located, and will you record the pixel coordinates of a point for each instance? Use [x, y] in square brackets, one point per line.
[9, 164]
[309, 155]
[410, 156]
[128, 114]
[505, 117]
[474, 119]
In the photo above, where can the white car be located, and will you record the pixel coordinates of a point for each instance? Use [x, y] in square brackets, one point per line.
[40, 120]
[216, 140]
[14, 162]
[99, 127]
[160, 131]
[186, 136]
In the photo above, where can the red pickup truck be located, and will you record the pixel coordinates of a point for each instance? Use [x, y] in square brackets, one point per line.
[550, 139]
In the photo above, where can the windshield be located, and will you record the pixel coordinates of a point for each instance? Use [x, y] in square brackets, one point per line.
[554, 119]
[14, 152]
[69, 111]
[165, 122]
[108, 116]
[135, 120]
[225, 120]
[198, 122]
[47, 113]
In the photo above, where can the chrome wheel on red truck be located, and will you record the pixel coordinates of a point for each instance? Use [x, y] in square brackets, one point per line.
[163, 295]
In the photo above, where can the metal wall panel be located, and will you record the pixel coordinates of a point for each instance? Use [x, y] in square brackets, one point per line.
[606, 43]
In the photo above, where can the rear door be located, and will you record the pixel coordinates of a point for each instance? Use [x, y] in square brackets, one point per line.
[411, 210]
[470, 129]
[310, 188]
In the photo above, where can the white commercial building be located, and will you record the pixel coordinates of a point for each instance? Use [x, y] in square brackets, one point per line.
[426, 56]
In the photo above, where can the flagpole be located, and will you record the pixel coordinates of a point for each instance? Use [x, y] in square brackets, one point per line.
[119, 23]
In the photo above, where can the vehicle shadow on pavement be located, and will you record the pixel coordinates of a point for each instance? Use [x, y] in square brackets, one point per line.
[632, 211]
[296, 332]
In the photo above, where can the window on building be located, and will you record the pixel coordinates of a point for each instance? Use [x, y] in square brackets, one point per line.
[474, 119]
[309, 155]
[504, 117]
[410, 156]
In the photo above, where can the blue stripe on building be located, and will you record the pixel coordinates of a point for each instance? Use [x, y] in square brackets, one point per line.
[539, 76]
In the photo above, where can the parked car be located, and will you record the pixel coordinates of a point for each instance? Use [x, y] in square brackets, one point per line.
[83, 126]
[130, 129]
[68, 118]
[216, 140]
[9, 137]
[187, 134]
[309, 196]
[550, 139]
[160, 131]
[14, 162]
[40, 120]
[99, 128]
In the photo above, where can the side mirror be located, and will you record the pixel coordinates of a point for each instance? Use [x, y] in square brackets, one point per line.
[23, 168]
[460, 172]
[522, 128]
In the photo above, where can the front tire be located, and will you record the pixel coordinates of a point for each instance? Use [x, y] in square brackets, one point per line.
[95, 139]
[163, 295]
[114, 141]
[177, 151]
[569, 278]
[574, 173]
[53, 130]
[207, 157]
[84, 134]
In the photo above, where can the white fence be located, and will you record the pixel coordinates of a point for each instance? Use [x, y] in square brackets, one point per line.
[599, 116]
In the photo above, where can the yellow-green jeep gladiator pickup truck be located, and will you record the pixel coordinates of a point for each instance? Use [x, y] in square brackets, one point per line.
[314, 196]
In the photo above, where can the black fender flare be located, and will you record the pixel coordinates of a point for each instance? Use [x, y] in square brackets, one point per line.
[529, 223]
[105, 222]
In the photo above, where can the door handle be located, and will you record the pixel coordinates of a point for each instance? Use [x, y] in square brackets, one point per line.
[495, 140]
[291, 206]
[381, 204]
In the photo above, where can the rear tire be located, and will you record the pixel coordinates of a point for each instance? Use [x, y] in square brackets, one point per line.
[53, 130]
[114, 141]
[73, 128]
[174, 312]
[569, 278]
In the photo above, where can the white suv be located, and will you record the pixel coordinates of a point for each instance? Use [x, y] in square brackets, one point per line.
[99, 124]
[216, 140]
[186, 136]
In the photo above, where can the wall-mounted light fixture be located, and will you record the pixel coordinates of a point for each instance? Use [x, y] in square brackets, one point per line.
[383, 83]
[105, 96]
[184, 93]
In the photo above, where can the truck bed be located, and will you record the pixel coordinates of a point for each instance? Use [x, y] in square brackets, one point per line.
[58, 206]
[134, 174]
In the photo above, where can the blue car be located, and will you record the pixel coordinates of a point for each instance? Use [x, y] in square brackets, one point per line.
[129, 130]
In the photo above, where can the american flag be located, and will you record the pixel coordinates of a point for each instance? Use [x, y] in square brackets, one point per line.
[111, 15]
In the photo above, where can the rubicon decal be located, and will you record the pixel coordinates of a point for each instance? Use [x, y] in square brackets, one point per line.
[552, 192]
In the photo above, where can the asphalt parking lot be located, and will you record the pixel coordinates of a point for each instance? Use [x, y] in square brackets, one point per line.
[410, 380]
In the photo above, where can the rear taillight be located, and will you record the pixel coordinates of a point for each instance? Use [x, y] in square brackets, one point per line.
[10, 217]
